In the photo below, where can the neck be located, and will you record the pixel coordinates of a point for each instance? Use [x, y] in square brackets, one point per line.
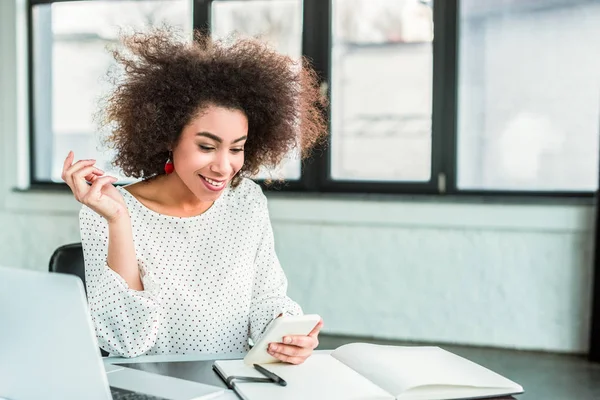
[173, 193]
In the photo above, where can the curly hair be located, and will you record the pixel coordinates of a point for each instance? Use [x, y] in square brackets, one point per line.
[166, 82]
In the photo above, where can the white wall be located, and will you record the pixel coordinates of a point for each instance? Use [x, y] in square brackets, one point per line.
[499, 275]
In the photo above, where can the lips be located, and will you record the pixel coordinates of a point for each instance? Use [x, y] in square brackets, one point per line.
[213, 184]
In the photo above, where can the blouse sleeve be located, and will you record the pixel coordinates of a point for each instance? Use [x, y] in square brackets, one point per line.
[126, 320]
[269, 297]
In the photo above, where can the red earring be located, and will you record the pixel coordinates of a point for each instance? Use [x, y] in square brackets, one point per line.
[169, 168]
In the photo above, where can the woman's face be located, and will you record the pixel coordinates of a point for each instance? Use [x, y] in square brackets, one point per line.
[210, 151]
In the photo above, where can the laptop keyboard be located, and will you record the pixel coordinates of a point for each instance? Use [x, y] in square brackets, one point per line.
[123, 394]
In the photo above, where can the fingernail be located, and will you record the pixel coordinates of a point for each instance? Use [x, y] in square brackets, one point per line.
[287, 340]
[273, 347]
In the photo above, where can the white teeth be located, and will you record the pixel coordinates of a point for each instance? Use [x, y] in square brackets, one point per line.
[214, 183]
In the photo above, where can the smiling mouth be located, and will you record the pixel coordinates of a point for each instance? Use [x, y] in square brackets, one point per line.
[212, 182]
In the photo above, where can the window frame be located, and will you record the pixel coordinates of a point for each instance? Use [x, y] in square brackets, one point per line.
[315, 172]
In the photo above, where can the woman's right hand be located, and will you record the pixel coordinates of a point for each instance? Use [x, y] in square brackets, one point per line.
[101, 196]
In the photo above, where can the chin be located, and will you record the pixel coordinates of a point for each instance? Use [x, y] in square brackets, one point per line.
[203, 196]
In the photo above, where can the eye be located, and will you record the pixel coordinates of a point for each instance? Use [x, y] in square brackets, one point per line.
[206, 148]
[237, 150]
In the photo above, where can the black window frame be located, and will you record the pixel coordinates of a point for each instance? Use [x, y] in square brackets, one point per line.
[315, 172]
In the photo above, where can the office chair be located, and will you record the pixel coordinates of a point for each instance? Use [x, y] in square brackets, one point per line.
[68, 259]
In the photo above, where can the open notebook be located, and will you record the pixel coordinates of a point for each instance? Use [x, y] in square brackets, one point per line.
[368, 371]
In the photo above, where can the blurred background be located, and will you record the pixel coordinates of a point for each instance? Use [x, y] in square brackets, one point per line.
[455, 200]
[527, 86]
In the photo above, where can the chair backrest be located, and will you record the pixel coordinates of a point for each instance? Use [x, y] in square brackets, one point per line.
[68, 259]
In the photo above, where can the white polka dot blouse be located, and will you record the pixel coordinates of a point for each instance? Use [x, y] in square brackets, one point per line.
[210, 281]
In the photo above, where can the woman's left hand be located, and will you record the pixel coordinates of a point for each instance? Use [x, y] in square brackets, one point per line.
[296, 349]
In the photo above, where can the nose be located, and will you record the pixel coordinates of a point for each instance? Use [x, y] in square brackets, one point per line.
[221, 164]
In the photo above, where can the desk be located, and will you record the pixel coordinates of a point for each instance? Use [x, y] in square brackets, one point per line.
[196, 368]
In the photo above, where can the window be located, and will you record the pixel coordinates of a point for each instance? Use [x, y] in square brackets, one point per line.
[277, 22]
[529, 98]
[459, 97]
[70, 60]
[381, 73]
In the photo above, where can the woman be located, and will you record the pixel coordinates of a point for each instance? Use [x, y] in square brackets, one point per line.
[183, 261]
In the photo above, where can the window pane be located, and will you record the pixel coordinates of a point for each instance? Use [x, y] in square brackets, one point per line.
[277, 22]
[70, 62]
[381, 92]
[529, 95]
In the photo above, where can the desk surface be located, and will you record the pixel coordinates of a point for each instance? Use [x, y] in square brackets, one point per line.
[196, 368]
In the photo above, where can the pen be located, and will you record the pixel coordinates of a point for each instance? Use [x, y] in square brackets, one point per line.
[275, 378]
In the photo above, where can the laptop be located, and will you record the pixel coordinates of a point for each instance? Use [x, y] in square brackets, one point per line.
[48, 347]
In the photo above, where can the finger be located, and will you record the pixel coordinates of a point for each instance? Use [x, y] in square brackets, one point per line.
[301, 341]
[289, 359]
[316, 329]
[96, 188]
[79, 165]
[100, 182]
[92, 175]
[87, 171]
[289, 350]
[92, 178]
[79, 182]
[74, 168]
[67, 164]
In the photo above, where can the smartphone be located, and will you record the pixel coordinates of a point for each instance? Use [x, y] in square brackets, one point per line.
[277, 329]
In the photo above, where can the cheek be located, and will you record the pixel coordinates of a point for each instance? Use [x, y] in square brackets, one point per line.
[194, 161]
[238, 163]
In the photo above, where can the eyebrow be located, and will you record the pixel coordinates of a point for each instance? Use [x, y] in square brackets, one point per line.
[218, 139]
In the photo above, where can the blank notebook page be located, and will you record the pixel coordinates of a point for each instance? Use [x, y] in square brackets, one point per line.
[319, 377]
[398, 369]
